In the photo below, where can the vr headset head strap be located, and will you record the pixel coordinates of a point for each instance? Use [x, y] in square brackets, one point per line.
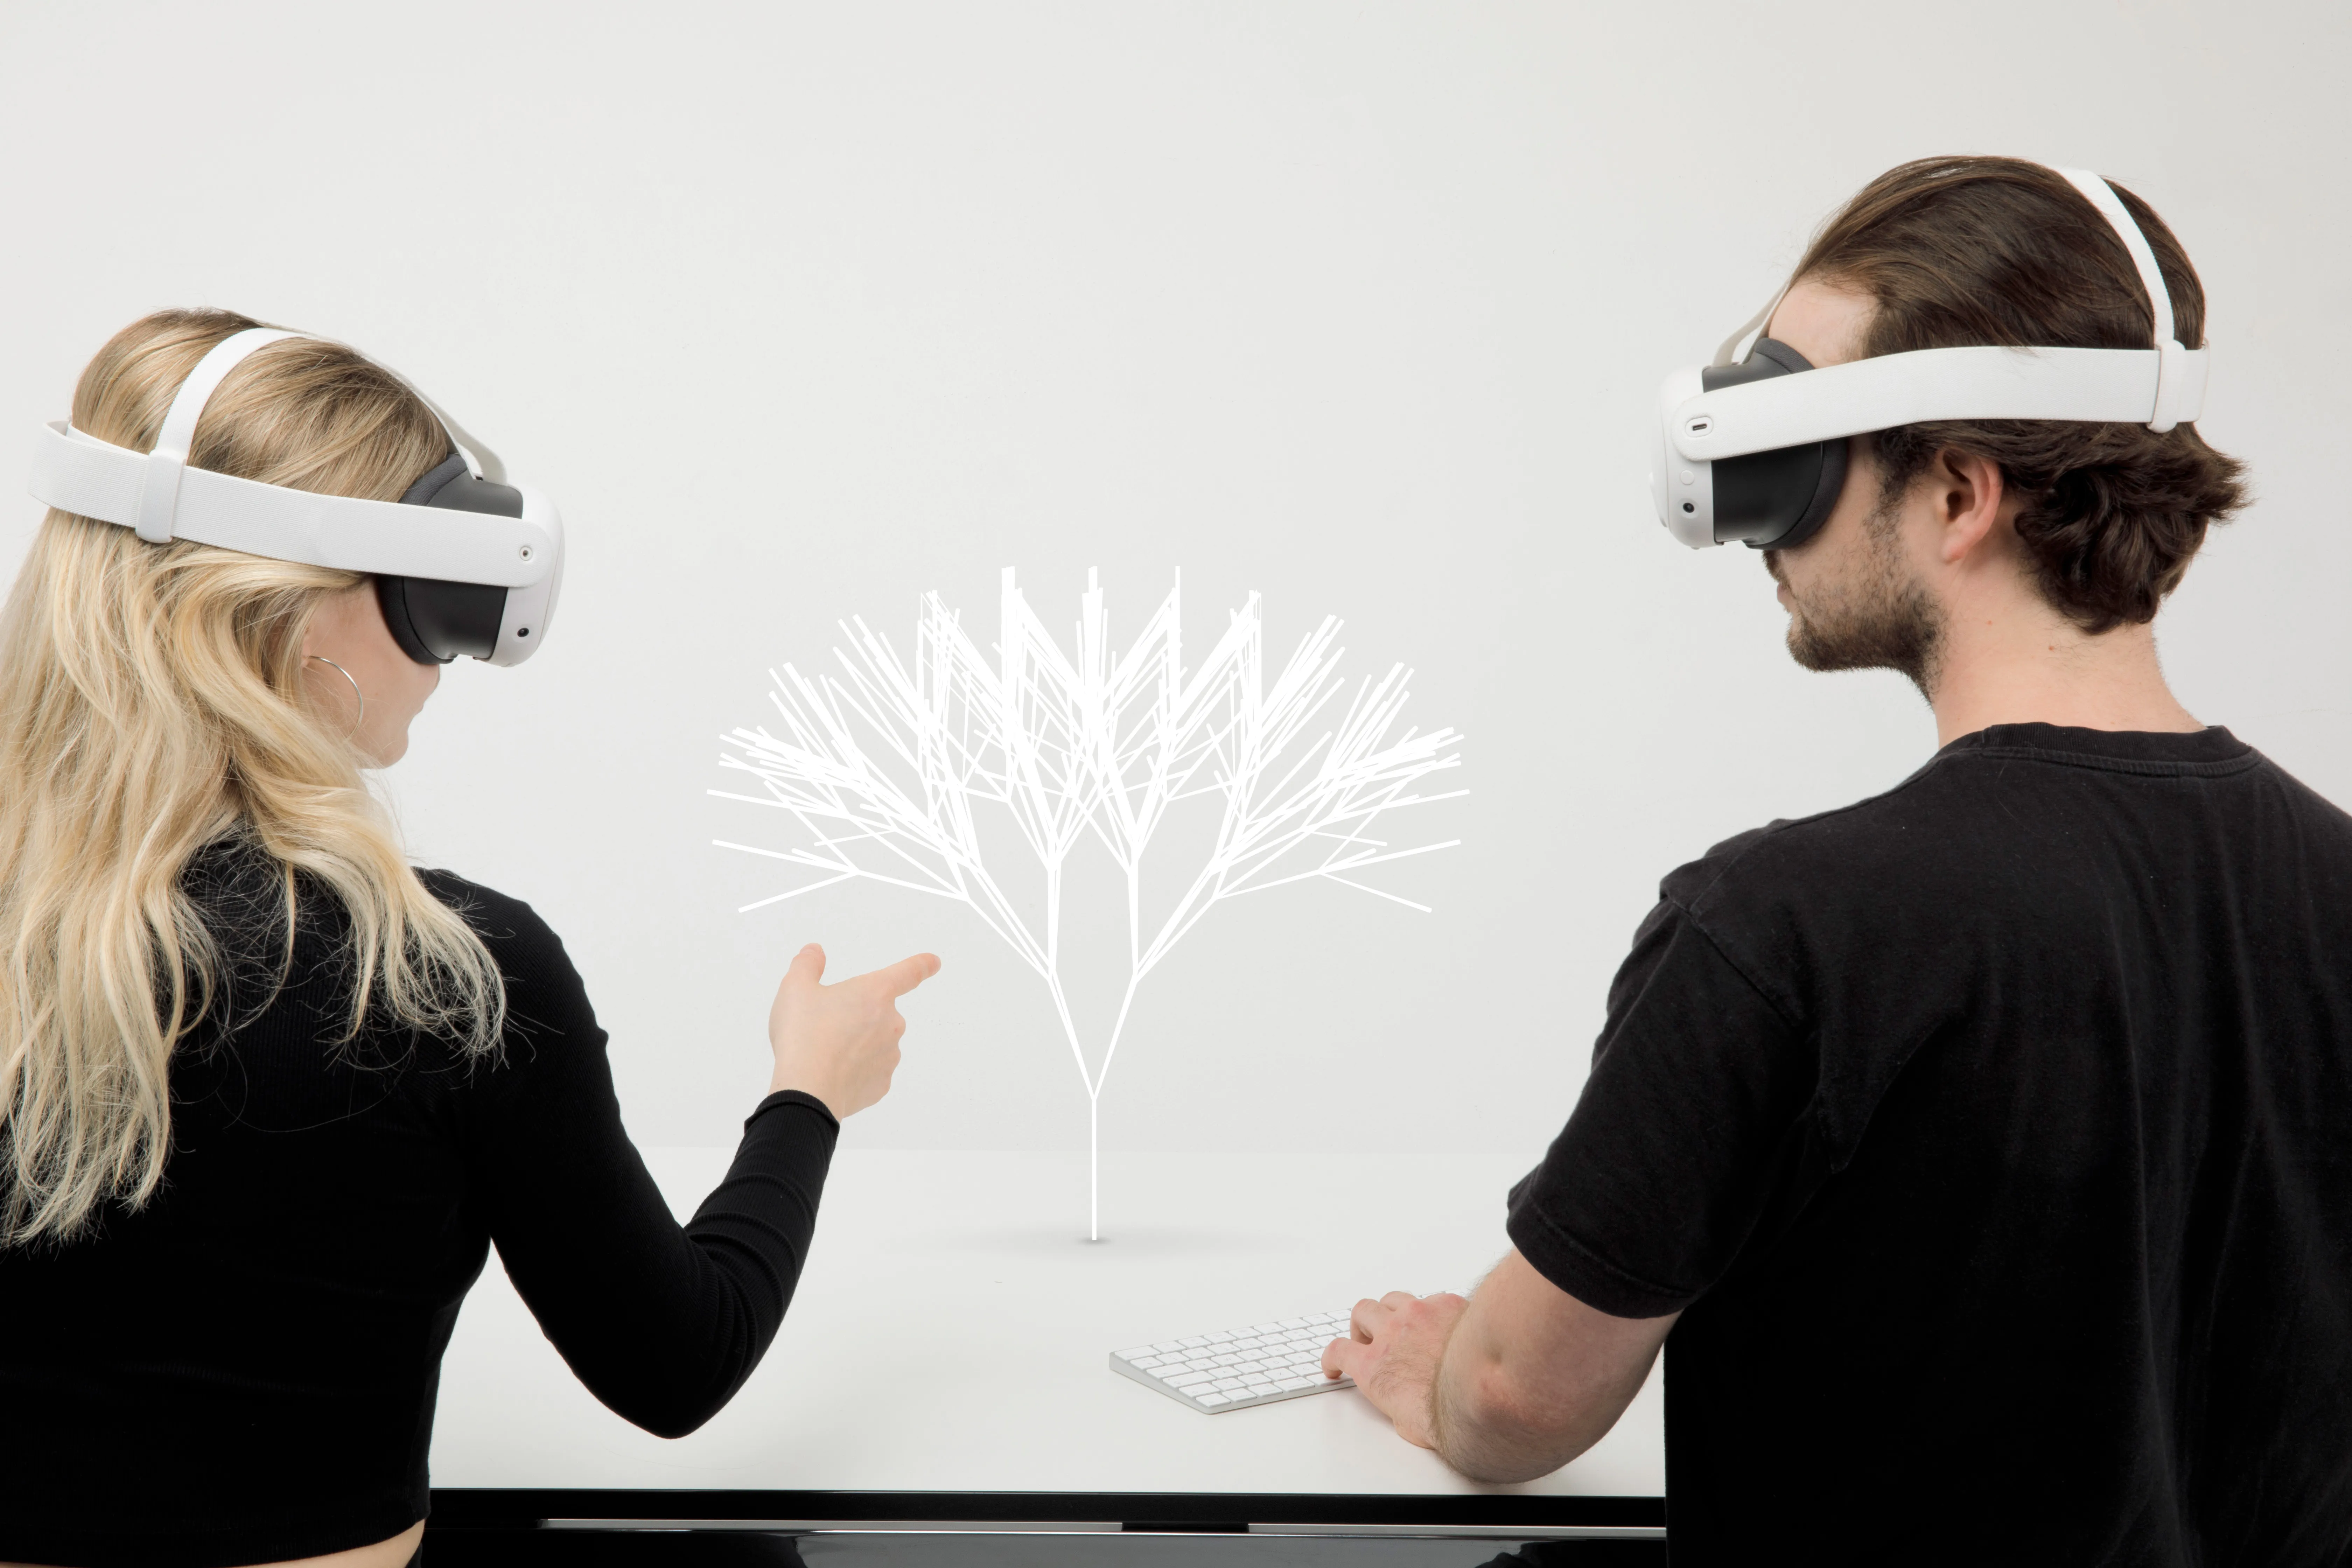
[1736, 347]
[2175, 399]
[159, 496]
[2103, 196]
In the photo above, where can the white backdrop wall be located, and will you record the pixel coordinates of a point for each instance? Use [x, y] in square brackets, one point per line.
[801, 311]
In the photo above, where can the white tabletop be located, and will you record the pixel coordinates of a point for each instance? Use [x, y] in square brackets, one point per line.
[952, 1330]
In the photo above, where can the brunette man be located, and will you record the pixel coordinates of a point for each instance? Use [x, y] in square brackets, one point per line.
[1984, 1147]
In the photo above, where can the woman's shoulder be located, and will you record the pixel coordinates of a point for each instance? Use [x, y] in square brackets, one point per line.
[496, 916]
[241, 888]
[550, 1035]
[247, 897]
[518, 936]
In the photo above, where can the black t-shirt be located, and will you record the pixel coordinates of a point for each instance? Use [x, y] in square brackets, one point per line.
[1993, 1137]
[245, 1370]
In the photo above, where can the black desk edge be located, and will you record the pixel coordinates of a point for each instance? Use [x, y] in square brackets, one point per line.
[504, 1507]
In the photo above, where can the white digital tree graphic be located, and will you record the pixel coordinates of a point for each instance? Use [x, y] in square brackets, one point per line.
[890, 771]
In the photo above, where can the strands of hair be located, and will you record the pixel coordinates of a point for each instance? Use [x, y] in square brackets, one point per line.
[152, 702]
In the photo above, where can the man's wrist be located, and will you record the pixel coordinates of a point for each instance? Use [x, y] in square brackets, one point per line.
[1441, 1424]
[1436, 1426]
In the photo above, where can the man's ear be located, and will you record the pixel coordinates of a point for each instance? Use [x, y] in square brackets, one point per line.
[1967, 491]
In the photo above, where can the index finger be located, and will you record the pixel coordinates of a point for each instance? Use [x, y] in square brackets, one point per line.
[1370, 1318]
[903, 976]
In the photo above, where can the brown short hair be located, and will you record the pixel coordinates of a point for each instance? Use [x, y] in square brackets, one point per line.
[1962, 251]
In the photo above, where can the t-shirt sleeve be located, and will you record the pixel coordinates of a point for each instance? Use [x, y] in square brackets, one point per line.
[1656, 1182]
[663, 1322]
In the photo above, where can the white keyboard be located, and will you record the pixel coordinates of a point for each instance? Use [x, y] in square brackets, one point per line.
[1238, 1367]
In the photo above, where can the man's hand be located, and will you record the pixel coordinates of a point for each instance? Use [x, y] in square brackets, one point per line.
[1507, 1386]
[840, 1043]
[1396, 1345]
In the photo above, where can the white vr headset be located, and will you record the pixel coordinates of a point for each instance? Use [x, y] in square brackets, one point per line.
[1753, 446]
[463, 563]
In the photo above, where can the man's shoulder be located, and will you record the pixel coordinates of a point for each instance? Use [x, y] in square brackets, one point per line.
[1993, 819]
[1851, 847]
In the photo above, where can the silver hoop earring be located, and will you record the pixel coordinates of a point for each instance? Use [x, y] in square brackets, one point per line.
[346, 674]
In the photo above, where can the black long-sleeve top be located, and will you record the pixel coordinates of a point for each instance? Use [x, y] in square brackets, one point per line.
[245, 1370]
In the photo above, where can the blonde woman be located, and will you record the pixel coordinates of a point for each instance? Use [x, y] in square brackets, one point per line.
[267, 1094]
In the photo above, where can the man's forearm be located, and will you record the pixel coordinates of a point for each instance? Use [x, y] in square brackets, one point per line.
[1508, 1385]
[1480, 1422]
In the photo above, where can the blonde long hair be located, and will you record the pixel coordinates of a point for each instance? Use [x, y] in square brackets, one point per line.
[152, 701]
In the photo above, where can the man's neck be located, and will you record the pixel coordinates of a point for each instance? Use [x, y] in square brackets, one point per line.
[2029, 667]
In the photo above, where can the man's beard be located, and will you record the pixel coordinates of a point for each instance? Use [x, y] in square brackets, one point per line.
[1879, 618]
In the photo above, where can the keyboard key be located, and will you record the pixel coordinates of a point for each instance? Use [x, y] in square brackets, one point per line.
[1214, 1399]
[1186, 1379]
[1227, 1384]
